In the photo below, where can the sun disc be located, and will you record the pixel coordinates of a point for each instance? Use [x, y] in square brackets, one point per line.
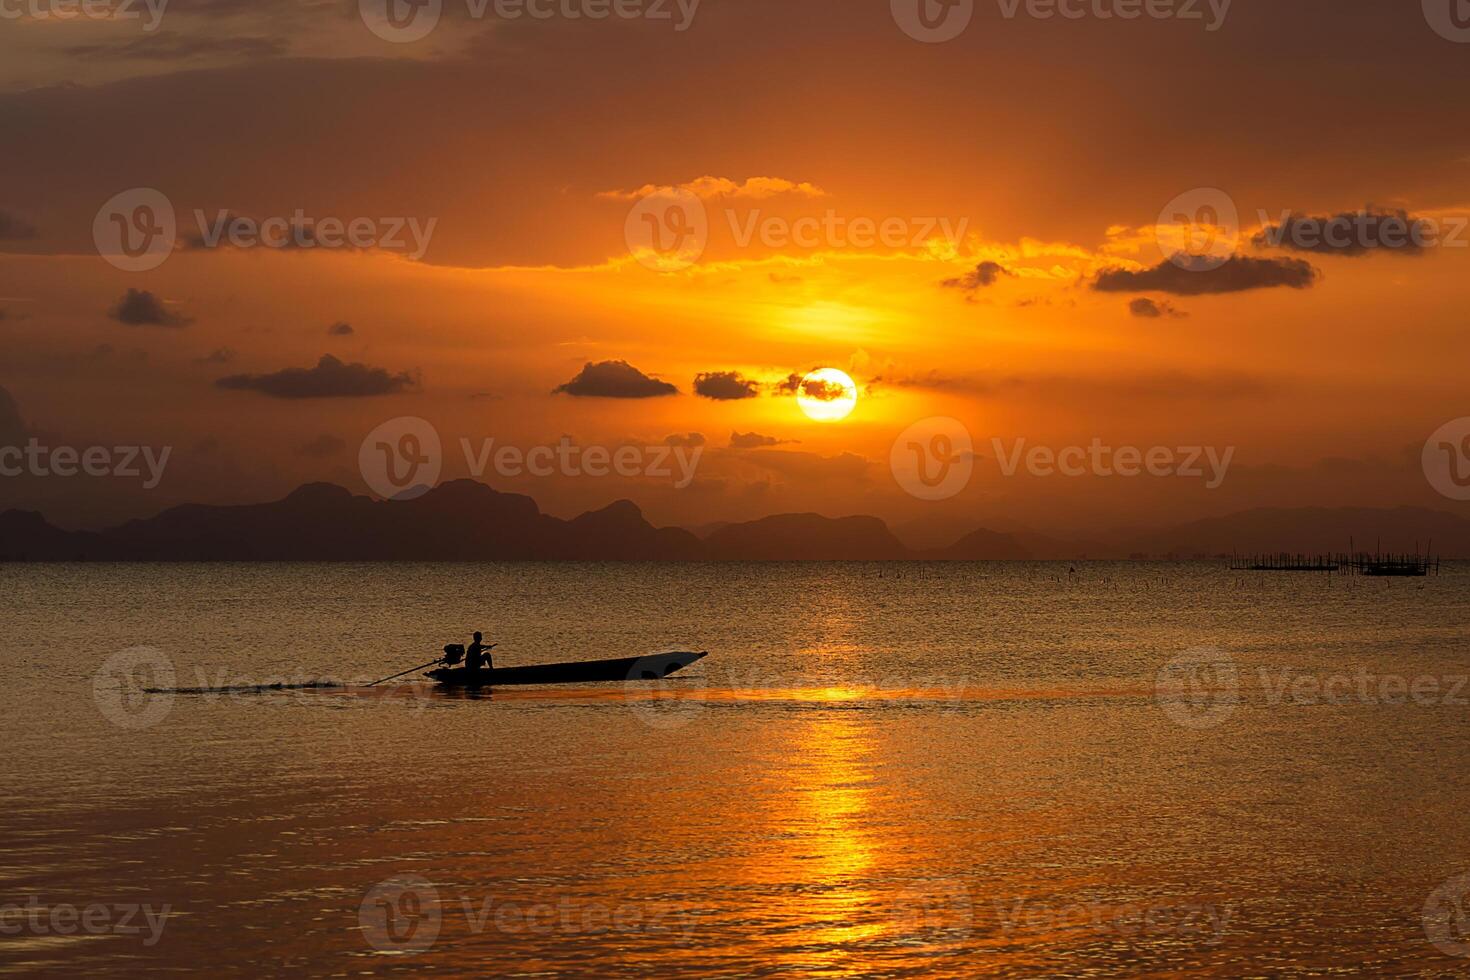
[827, 395]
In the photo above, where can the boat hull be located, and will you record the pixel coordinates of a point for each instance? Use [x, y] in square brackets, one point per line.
[651, 667]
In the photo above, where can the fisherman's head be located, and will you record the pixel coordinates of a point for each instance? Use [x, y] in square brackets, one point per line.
[477, 636]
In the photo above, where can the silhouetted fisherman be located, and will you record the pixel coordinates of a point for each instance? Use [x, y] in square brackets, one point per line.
[477, 655]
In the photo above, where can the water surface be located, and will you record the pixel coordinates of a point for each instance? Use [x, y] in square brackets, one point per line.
[880, 770]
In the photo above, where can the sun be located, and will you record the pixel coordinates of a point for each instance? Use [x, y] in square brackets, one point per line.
[827, 395]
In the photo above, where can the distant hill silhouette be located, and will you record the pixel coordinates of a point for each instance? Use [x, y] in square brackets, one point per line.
[1314, 529]
[468, 521]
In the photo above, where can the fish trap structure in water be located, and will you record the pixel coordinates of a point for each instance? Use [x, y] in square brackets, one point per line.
[1377, 564]
[1285, 562]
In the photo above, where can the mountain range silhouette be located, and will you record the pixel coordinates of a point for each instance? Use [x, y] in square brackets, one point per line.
[466, 520]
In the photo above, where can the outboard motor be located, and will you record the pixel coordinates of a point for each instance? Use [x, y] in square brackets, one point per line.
[453, 653]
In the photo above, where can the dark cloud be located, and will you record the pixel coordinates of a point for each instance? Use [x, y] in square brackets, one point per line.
[984, 274]
[931, 380]
[614, 379]
[226, 229]
[1199, 275]
[227, 223]
[329, 379]
[140, 308]
[169, 46]
[1145, 307]
[754, 440]
[687, 439]
[221, 355]
[1350, 233]
[14, 229]
[322, 447]
[340, 330]
[819, 390]
[725, 386]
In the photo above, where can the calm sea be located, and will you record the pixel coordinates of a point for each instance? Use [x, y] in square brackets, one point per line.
[881, 770]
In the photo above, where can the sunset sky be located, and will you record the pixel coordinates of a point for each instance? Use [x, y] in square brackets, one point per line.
[1021, 167]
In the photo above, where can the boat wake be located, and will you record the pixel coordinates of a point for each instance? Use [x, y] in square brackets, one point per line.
[248, 688]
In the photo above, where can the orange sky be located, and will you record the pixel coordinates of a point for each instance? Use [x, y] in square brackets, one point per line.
[1047, 148]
